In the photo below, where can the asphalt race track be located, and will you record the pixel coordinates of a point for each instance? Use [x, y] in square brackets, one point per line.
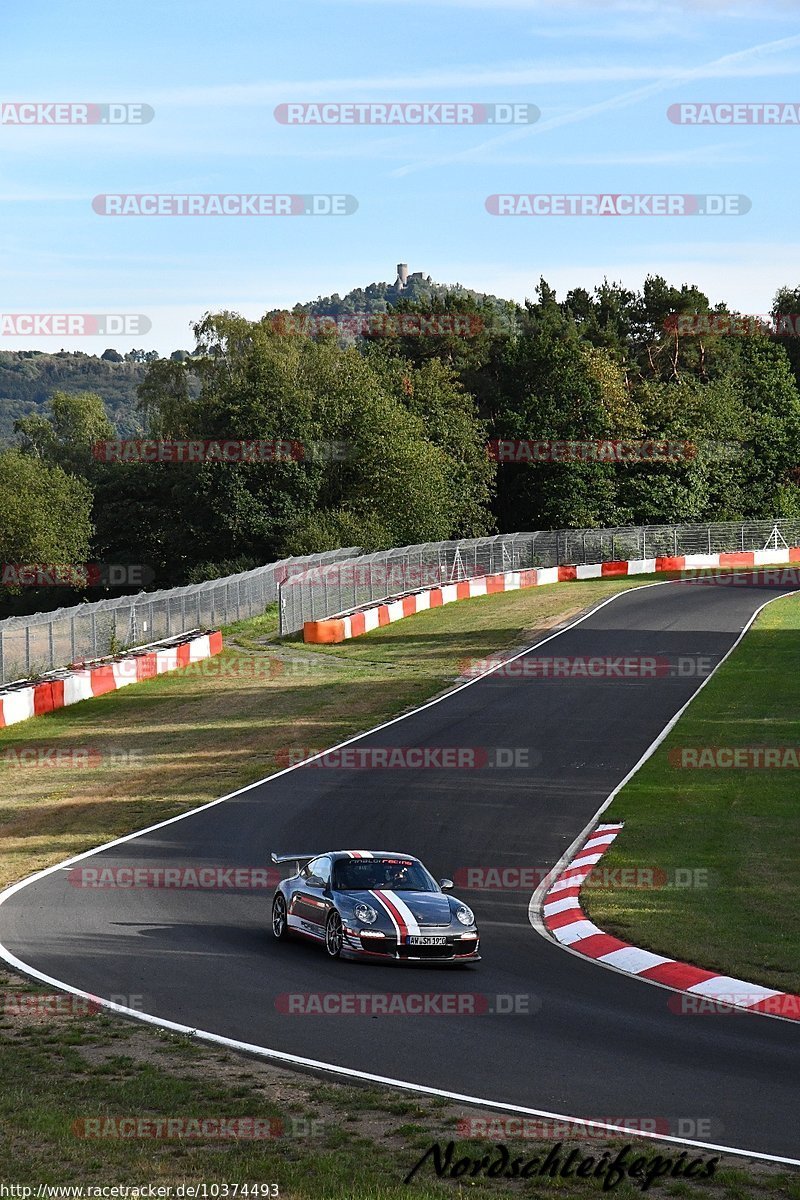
[594, 1044]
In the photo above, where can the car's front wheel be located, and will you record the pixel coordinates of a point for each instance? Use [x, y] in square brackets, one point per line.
[280, 923]
[334, 935]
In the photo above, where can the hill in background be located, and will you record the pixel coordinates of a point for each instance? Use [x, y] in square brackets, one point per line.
[378, 297]
[29, 377]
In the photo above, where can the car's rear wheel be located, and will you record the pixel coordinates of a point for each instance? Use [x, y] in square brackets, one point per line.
[334, 935]
[280, 923]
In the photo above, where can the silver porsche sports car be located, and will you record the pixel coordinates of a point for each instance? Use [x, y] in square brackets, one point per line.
[373, 904]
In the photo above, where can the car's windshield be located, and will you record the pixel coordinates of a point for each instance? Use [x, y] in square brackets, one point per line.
[384, 874]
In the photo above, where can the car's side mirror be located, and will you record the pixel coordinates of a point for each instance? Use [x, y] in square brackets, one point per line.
[444, 884]
[315, 881]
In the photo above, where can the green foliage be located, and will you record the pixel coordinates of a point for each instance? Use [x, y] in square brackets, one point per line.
[45, 512]
[29, 378]
[77, 422]
[412, 413]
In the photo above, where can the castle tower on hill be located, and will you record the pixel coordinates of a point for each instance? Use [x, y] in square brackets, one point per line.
[403, 277]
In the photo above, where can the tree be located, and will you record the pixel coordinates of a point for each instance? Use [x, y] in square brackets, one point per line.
[78, 422]
[46, 512]
[548, 390]
[414, 467]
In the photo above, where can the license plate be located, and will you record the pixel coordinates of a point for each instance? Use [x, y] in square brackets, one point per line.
[427, 941]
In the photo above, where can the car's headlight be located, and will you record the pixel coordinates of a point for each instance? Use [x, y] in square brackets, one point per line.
[465, 915]
[365, 913]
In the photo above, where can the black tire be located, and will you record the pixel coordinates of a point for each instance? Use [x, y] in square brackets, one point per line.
[280, 923]
[334, 935]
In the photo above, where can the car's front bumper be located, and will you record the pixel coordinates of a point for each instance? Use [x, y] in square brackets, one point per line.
[454, 949]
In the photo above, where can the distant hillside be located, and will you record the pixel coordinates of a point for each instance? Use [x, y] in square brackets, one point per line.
[378, 297]
[28, 378]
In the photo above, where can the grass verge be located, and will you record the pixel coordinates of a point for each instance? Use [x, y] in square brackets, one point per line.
[727, 838]
[161, 747]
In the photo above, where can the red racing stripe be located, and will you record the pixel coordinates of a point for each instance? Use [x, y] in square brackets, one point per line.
[394, 913]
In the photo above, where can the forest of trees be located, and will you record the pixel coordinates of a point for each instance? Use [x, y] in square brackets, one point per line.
[416, 413]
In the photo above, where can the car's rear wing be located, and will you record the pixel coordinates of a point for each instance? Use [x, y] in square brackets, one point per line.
[295, 858]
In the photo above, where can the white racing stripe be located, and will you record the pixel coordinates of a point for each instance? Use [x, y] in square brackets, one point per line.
[405, 912]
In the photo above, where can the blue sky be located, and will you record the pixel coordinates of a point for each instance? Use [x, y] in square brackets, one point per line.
[602, 75]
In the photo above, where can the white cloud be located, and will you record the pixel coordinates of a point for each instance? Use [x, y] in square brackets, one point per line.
[735, 65]
[746, 64]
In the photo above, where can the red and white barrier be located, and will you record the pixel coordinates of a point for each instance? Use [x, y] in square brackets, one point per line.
[339, 629]
[19, 703]
[568, 924]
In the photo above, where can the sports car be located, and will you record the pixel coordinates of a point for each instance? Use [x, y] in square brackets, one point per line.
[373, 904]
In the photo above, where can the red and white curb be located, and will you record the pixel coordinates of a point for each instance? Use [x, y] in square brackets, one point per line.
[21, 702]
[349, 625]
[567, 923]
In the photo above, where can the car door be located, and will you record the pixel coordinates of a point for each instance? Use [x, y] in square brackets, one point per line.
[311, 902]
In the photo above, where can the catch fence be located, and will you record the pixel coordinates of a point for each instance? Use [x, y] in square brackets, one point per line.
[34, 644]
[336, 588]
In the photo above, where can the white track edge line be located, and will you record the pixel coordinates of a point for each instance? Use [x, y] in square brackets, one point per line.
[351, 1073]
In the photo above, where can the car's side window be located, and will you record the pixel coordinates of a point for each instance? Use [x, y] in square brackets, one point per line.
[320, 868]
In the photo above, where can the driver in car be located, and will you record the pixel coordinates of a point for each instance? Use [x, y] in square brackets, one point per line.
[397, 877]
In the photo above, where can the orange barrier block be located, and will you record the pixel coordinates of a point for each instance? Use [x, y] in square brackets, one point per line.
[436, 598]
[103, 680]
[409, 606]
[146, 667]
[323, 632]
[671, 564]
[462, 590]
[567, 573]
[614, 568]
[495, 583]
[48, 696]
[743, 558]
[358, 624]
